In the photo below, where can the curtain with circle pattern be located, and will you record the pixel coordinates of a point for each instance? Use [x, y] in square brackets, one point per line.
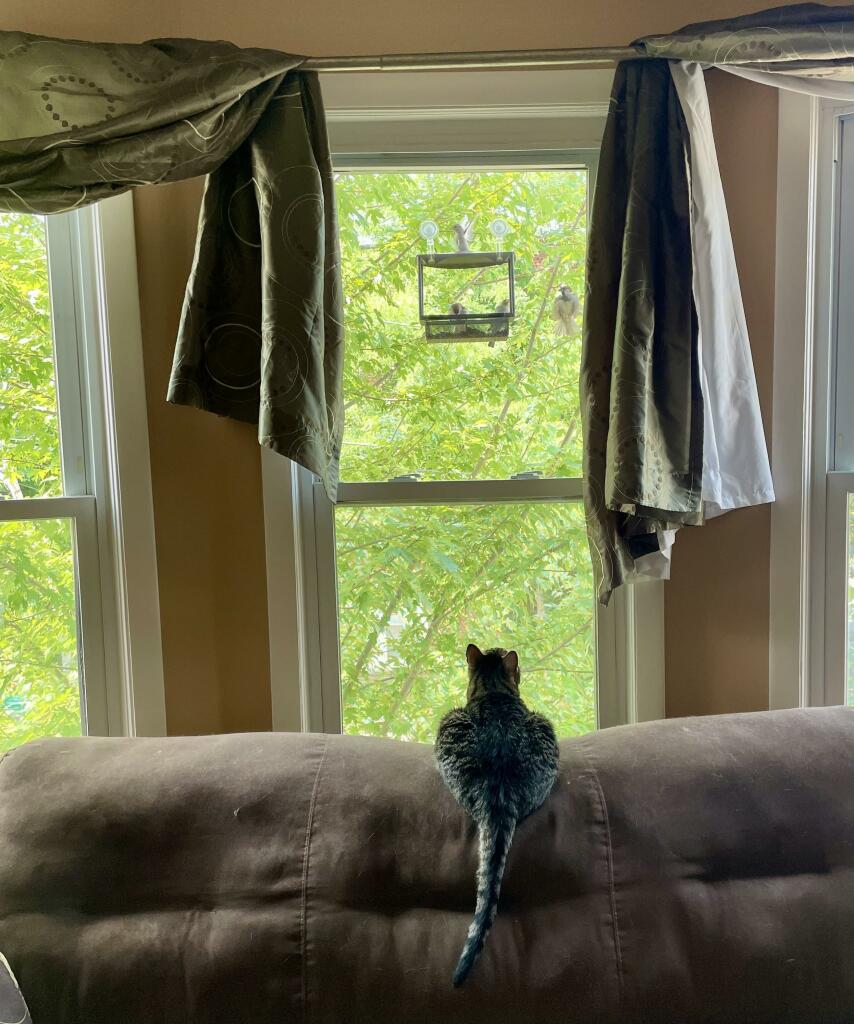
[260, 337]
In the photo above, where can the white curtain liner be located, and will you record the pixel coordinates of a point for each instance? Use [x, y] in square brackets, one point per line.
[736, 471]
[827, 88]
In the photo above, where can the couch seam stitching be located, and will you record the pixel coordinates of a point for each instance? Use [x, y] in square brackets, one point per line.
[306, 854]
[612, 889]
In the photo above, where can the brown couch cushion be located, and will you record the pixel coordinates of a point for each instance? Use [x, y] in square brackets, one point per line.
[689, 870]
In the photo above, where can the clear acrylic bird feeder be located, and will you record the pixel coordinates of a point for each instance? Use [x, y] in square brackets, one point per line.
[451, 283]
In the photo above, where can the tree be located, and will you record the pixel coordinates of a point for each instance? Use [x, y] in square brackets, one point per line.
[39, 677]
[417, 583]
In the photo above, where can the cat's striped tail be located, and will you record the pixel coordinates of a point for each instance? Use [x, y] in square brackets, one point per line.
[495, 840]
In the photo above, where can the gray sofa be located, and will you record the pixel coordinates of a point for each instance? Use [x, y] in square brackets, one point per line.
[697, 870]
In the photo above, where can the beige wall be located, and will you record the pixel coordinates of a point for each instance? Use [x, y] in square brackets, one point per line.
[206, 471]
[717, 601]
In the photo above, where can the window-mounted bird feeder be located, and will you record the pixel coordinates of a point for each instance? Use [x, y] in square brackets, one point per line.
[458, 323]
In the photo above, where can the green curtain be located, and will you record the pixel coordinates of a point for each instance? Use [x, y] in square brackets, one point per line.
[260, 338]
[642, 373]
[642, 408]
[813, 40]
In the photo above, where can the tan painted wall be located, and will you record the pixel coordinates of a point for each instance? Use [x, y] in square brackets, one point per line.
[206, 471]
[717, 601]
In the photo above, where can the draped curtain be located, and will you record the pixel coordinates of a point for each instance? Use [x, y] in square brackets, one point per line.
[260, 337]
[806, 40]
[642, 406]
[670, 413]
[672, 428]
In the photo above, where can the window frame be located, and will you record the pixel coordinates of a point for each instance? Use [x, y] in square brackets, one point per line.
[301, 570]
[809, 557]
[106, 468]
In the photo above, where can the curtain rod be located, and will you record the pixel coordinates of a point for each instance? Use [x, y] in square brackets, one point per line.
[474, 59]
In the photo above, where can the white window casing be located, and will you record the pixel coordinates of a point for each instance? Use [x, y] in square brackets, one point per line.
[106, 469]
[809, 558]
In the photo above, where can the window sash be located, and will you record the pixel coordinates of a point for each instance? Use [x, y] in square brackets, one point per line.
[808, 603]
[839, 486]
[105, 467]
[356, 492]
[325, 708]
[460, 492]
[81, 510]
[462, 160]
[629, 632]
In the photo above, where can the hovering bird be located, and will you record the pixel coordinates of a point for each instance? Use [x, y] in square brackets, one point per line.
[458, 309]
[463, 237]
[565, 310]
[503, 308]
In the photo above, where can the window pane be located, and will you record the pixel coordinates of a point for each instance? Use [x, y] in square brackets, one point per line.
[39, 671]
[29, 429]
[842, 448]
[849, 696]
[418, 583]
[465, 409]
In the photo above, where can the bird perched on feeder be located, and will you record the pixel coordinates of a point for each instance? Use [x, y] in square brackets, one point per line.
[458, 309]
[565, 310]
[463, 236]
[503, 308]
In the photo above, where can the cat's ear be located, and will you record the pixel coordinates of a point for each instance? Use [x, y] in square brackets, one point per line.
[510, 661]
[473, 655]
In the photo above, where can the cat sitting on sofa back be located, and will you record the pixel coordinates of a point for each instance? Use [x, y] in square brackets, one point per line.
[500, 762]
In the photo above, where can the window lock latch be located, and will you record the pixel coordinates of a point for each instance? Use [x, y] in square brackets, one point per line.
[406, 478]
[529, 474]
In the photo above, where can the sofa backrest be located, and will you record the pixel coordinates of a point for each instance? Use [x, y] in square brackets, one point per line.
[687, 870]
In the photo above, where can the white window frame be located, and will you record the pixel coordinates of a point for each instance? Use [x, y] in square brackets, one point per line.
[106, 469]
[299, 519]
[808, 611]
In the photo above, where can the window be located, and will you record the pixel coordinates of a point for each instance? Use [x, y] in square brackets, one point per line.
[426, 564]
[66, 657]
[840, 457]
[459, 515]
[812, 564]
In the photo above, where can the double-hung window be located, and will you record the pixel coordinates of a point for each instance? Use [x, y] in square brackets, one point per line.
[74, 483]
[812, 564]
[459, 516]
[840, 449]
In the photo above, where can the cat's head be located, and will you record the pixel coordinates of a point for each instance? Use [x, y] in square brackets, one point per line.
[492, 671]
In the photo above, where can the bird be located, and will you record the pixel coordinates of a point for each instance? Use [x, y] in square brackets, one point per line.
[462, 235]
[565, 310]
[458, 309]
[503, 309]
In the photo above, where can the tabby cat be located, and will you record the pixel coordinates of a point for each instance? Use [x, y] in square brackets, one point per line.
[500, 761]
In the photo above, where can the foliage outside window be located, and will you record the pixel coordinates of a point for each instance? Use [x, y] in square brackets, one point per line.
[39, 673]
[417, 583]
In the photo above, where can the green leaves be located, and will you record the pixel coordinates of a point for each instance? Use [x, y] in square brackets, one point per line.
[440, 408]
[416, 584]
[39, 684]
[443, 561]
[39, 673]
[29, 431]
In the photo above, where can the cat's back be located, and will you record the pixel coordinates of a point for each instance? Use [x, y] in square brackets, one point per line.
[497, 730]
[497, 752]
